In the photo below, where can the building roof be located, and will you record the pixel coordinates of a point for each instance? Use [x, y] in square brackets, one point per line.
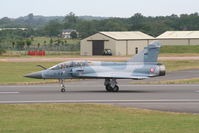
[13, 29]
[129, 35]
[179, 35]
[69, 30]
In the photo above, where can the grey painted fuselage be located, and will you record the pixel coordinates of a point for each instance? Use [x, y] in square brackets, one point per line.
[141, 66]
[90, 69]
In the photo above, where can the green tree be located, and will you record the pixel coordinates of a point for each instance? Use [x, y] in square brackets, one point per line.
[38, 45]
[13, 44]
[30, 19]
[70, 21]
[45, 42]
[28, 42]
[32, 38]
[2, 51]
[53, 28]
[73, 35]
[5, 21]
[20, 44]
[87, 28]
[51, 41]
[58, 41]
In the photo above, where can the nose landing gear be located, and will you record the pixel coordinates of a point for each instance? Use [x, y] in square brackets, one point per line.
[111, 85]
[62, 85]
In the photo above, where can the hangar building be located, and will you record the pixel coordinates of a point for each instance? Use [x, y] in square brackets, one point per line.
[120, 43]
[179, 38]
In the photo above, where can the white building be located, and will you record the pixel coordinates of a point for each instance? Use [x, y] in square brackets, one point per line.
[179, 38]
[120, 43]
[13, 29]
[67, 33]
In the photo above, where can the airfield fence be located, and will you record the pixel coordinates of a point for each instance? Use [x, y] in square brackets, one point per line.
[67, 49]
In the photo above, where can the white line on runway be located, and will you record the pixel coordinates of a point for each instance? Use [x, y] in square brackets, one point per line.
[102, 101]
[163, 85]
[69, 85]
[9, 92]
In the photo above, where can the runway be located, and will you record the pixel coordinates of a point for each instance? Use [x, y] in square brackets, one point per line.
[173, 98]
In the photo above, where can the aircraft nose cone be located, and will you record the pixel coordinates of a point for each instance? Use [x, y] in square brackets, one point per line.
[36, 75]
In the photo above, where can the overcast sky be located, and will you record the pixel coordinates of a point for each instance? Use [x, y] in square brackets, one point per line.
[106, 8]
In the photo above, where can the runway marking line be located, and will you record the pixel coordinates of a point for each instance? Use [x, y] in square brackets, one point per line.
[69, 85]
[9, 92]
[103, 101]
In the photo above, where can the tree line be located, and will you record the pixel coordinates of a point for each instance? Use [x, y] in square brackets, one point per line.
[151, 25]
[85, 27]
[53, 27]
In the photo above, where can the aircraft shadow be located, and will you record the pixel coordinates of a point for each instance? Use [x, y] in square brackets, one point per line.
[103, 91]
[89, 91]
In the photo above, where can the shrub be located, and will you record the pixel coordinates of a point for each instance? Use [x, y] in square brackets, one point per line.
[2, 51]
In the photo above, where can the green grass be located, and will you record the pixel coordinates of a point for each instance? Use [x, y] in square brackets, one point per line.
[180, 65]
[178, 54]
[184, 81]
[180, 49]
[47, 39]
[91, 118]
[41, 40]
[180, 81]
[13, 72]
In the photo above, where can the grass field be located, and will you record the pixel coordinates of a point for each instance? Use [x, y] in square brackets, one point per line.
[166, 51]
[92, 118]
[180, 65]
[178, 54]
[47, 39]
[180, 81]
[12, 72]
[180, 49]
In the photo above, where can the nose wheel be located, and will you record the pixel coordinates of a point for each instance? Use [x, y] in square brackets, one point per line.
[62, 85]
[63, 89]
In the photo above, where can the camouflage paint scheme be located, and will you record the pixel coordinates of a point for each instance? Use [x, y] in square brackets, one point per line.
[141, 66]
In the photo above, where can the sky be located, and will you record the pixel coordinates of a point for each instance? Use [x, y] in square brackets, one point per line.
[104, 8]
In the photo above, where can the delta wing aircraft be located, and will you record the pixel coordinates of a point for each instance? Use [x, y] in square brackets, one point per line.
[141, 66]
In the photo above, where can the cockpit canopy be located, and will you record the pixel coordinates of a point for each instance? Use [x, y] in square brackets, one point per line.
[70, 64]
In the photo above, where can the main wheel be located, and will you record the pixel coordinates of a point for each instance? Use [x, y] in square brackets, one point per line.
[115, 89]
[63, 90]
[108, 88]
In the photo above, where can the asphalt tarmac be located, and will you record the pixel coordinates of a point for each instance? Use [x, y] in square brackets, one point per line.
[172, 98]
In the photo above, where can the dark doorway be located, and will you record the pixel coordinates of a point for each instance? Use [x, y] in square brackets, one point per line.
[136, 50]
[98, 47]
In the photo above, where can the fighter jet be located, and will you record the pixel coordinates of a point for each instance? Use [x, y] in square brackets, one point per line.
[141, 66]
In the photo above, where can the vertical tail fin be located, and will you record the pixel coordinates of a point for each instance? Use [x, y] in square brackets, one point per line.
[149, 54]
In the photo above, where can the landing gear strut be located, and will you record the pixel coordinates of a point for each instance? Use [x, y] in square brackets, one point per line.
[62, 85]
[111, 85]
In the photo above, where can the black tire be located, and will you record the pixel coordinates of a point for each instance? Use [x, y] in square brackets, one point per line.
[115, 89]
[63, 90]
[108, 88]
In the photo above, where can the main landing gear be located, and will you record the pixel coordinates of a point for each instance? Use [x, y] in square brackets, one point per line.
[111, 85]
[62, 85]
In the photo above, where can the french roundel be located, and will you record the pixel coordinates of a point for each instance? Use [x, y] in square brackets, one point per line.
[152, 70]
